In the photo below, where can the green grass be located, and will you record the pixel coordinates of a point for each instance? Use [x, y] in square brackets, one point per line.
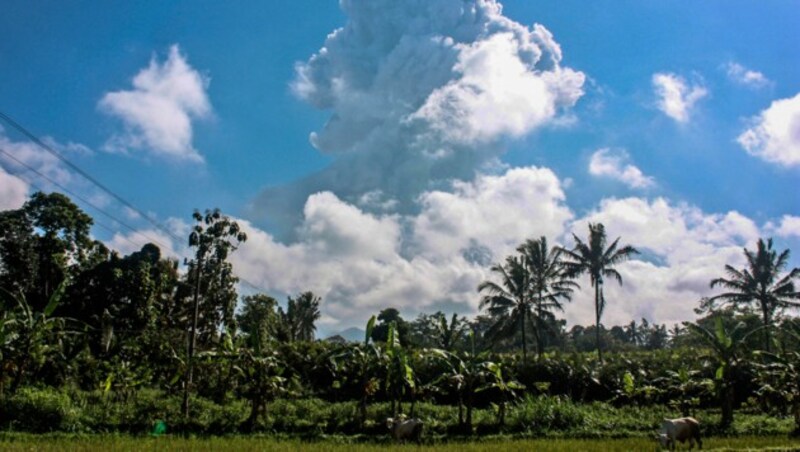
[28, 442]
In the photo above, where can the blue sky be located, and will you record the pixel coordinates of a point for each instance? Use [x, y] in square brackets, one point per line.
[677, 124]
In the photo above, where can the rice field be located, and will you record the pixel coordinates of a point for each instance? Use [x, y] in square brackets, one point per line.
[241, 443]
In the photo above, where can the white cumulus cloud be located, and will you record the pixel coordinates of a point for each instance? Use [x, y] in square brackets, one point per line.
[676, 96]
[13, 191]
[158, 112]
[774, 135]
[744, 76]
[789, 226]
[613, 164]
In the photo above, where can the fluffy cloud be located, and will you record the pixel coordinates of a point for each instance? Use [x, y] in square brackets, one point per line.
[775, 133]
[677, 97]
[492, 214]
[613, 164]
[13, 191]
[789, 226]
[361, 262]
[422, 92]
[159, 110]
[744, 76]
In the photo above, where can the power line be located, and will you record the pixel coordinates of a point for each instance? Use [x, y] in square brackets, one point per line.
[86, 175]
[39, 188]
[80, 198]
[10, 121]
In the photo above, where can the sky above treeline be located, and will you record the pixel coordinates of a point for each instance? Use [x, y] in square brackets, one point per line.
[385, 153]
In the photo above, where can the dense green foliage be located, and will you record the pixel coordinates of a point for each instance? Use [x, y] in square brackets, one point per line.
[91, 341]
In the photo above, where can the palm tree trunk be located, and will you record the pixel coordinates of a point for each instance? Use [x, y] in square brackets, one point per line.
[597, 296]
[538, 331]
[524, 344]
[767, 325]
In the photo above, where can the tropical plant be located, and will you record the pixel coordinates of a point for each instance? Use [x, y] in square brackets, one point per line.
[598, 261]
[363, 362]
[258, 319]
[761, 282]
[498, 380]
[728, 349]
[779, 376]
[549, 284]
[297, 322]
[463, 375]
[509, 303]
[400, 378]
[448, 334]
[28, 338]
[686, 387]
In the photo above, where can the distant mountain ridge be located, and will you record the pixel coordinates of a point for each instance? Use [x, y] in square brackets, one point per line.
[351, 334]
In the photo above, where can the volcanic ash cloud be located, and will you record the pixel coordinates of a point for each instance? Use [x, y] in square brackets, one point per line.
[421, 92]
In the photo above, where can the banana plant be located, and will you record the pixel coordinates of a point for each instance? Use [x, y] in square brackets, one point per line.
[463, 374]
[262, 375]
[686, 387]
[29, 338]
[497, 380]
[360, 364]
[779, 376]
[728, 349]
[400, 377]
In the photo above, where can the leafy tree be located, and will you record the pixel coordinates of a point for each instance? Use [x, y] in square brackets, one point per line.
[64, 241]
[385, 318]
[259, 320]
[598, 261]
[549, 284]
[122, 297]
[297, 322]
[18, 259]
[761, 282]
[213, 237]
[509, 303]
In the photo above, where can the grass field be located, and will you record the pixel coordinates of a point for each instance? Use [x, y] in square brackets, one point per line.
[17, 442]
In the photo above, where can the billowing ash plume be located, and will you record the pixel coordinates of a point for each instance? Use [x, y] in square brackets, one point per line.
[421, 92]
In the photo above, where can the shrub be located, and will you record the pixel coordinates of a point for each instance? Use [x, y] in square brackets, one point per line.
[40, 410]
[545, 413]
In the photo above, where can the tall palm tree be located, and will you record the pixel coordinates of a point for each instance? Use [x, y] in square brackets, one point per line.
[509, 303]
[761, 282]
[598, 261]
[549, 283]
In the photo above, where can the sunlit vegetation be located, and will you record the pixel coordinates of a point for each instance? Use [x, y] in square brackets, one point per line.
[95, 342]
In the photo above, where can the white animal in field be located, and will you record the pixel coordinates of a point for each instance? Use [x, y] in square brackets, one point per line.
[403, 429]
[681, 429]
